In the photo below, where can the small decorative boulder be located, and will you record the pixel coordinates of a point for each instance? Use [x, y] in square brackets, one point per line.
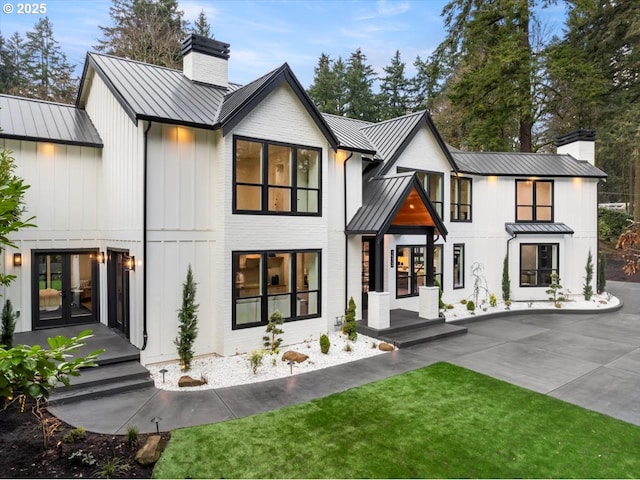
[386, 347]
[290, 355]
[150, 452]
[187, 381]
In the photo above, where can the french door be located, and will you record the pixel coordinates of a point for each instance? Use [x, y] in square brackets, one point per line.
[65, 288]
[118, 287]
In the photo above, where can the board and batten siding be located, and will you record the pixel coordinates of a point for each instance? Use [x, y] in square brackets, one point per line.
[282, 118]
[64, 199]
[181, 232]
[122, 192]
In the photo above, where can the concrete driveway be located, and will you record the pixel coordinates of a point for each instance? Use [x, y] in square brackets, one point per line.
[591, 360]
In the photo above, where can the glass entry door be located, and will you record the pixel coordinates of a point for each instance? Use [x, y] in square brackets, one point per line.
[65, 288]
[118, 283]
[368, 270]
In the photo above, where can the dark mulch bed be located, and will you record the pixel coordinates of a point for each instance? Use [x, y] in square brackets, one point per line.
[21, 441]
[24, 456]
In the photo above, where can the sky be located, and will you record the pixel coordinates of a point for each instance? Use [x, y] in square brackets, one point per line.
[264, 34]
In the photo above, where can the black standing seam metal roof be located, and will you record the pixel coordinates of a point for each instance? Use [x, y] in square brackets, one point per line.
[154, 93]
[37, 120]
[524, 164]
[537, 228]
[383, 198]
[349, 133]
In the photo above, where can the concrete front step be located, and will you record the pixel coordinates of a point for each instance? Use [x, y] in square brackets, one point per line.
[408, 338]
[103, 380]
[413, 331]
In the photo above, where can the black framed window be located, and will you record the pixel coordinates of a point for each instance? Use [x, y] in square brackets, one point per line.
[265, 281]
[460, 199]
[534, 201]
[411, 271]
[276, 178]
[458, 265]
[537, 262]
[433, 183]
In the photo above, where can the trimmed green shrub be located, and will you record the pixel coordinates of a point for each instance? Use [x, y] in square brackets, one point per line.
[493, 300]
[349, 326]
[506, 282]
[325, 344]
[611, 223]
[74, 435]
[471, 306]
[255, 360]
[271, 339]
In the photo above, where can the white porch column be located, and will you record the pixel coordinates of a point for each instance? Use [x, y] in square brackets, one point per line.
[428, 306]
[379, 310]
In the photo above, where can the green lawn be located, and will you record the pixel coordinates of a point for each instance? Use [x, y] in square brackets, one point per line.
[439, 421]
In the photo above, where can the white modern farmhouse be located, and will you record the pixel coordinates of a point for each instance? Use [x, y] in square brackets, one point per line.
[274, 205]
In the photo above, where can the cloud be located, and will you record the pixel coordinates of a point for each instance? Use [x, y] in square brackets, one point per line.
[385, 9]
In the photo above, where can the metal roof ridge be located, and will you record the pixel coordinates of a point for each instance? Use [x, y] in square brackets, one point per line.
[38, 100]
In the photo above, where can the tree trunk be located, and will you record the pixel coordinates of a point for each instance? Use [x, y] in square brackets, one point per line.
[636, 187]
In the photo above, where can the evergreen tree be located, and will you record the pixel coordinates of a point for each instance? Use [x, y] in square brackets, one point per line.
[8, 325]
[324, 89]
[150, 31]
[587, 288]
[188, 317]
[506, 282]
[394, 97]
[13, 79]
[49, 74]
[489, 69]
[201, 26]
[349, 327]
[360, 102]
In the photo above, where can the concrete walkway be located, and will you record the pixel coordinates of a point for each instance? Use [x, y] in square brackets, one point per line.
[591, 360]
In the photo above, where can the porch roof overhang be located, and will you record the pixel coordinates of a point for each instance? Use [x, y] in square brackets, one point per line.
[397, 204]
[538, 228]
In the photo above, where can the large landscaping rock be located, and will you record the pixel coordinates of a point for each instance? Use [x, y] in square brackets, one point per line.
[297, 357]
[386, 347]
[150, 452]
[187, 381]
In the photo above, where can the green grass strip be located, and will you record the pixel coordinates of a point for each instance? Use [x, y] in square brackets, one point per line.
[440, 421]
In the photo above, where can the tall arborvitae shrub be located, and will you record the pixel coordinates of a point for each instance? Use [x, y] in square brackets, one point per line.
[587, 288]
[506, 282]
[8, 325]
[602, 275]
[187, 315]
[349, 326]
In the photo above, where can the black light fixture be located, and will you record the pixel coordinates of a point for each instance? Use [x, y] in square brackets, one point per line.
[17, 259]
[130, 263]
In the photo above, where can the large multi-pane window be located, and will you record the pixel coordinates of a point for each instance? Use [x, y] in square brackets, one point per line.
[458, 265]
[288, 281]
[460, 199]
[411, 269]
[537, 262]
[276, 178]
[534, 201]
[433, 184]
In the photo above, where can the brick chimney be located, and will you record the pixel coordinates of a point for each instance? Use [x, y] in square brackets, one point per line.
[205, 60]
[580, 144]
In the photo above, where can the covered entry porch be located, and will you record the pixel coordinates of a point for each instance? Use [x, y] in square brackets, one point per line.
[396, 205]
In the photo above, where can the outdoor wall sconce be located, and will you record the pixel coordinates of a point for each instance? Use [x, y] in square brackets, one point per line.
[100, 257]
[17, 259]
[130, 263]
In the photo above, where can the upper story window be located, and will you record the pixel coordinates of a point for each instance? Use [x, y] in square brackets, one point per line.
[534, 201]
[433, 183]
[276, 178]
[460, 199]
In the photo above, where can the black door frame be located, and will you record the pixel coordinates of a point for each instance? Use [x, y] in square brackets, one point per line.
[65, 318]
[115, 268]
[371, 241]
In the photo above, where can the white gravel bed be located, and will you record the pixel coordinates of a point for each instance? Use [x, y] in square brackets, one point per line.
[236, 370]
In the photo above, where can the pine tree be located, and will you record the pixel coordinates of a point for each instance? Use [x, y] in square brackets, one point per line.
[349, 326]
[50, 76]
[506, 282]
[187, 315]
[13, 79]
[360, 102]
[394, 97]
[201, 26]
[602, 276]
[324, 89]
[150, 31]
